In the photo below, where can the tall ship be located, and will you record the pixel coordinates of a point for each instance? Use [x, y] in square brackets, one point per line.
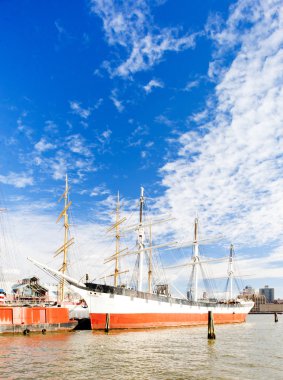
[119, 306]
[24, 315]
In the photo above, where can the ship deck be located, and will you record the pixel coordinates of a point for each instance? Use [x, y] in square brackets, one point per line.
[123, 291]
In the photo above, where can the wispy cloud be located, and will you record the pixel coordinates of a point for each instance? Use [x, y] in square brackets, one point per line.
[137, 136]
[23, 128]
[130, 25]
[43, 145]
[59, 27]
[190, 85]
[77, 109]
[117, 103]
[19, 180]
[76, 144]
[72, 154]
[103, 143]
[105, 136]
[38, 232]
[58, 166]
[50, 126]
[99, 191]
[199, 116]
[62, 34]
[149, 144]
[151, 84]
[162, 119]
[144, 154]
[98, 103]
[230, 169]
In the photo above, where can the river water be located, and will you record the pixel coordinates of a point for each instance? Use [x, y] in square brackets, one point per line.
[253, 350]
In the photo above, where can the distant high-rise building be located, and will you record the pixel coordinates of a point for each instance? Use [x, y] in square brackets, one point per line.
[268, 293]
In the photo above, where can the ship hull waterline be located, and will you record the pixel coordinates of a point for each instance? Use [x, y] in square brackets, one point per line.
[144, 321]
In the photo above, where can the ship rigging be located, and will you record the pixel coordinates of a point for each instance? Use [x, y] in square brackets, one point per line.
[154, 307]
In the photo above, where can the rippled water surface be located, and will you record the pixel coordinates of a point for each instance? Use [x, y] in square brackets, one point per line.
[253, 350]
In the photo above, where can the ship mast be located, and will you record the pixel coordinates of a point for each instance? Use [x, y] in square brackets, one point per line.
[2, 277]
[67, 242]
[116, 255]
[195, 259]
[140, 246]
[140, 241]
[116, 272]
[230, 272]
[150, 262]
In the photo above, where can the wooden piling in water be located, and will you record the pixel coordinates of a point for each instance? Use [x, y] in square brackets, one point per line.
[275, 317]
[211, 333]
[107, 322]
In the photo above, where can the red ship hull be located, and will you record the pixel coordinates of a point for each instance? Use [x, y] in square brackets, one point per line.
[149, 320]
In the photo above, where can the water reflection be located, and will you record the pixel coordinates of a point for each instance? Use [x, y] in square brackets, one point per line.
[175, 353]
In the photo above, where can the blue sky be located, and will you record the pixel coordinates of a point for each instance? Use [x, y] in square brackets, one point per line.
[180, 97]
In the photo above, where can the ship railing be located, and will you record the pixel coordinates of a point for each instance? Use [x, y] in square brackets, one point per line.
[27, 302]
[121, 290]
[169, 299]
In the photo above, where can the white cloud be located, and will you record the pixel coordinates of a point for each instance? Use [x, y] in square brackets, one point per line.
[98, 103]
[19, 180]
[50, 126]
[23, 128]
[99, 190]
[130, 25]
[190, 85]
[62, 34]
[59, 28]
[199, 116]
[58, 167]
[43, 146]
[149, 144]
[162, 119]
[230, 169]
[137, 136]
[35, 231]
[84, 113]
[73, 154]
[149, 50]
[117, 103]
[84, 124]
[77, 145]
[103, 143]
[106, 134]
[38, 161]
[151, 84]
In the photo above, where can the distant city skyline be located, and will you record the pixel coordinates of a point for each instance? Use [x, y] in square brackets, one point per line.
[268, 292]
[184, 99]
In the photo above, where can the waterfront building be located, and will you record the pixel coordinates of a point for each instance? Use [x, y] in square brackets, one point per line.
[29, 289]
[248, 291]
[268, 293]
[259, 300]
